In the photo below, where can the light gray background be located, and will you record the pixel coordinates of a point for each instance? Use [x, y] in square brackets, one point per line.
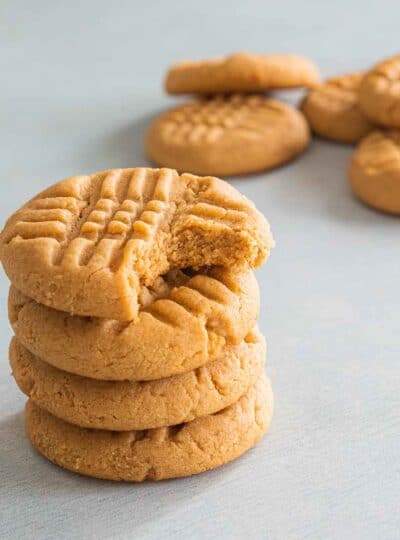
[79, 83]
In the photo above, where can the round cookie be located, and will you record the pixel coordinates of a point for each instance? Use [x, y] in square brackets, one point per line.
[126, 405]
[185, 323]
[205, 443]
[375, 170]
[227, 135]
[89, 244]
[332, 110]
[380, 93]
[241, 72]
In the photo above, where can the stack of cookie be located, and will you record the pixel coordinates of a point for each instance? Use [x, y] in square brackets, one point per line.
[134, 309]
[364, 108]
[232, 128]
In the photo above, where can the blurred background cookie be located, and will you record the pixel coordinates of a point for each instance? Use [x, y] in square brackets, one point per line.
[375, 170]
[333, 112]
[241, 72]
[227, 135]
[126, 405]
[380, 93]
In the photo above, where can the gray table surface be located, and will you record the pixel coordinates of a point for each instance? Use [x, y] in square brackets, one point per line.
[79, 83]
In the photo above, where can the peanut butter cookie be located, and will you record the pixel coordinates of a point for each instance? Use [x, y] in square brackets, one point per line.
[380, 93]
[332, 110]
[227, 135]
[375, 170]
[241, 72]
[183, 450]
[89, 244]
[126, 405]
[183, 323]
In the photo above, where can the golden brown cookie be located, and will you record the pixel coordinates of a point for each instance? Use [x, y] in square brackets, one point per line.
[89, 244]
[380, 93]
[375, 170]
[205, 443]
[126, 405]
[184, 323]
[227, 135]
[332, 110]
[241, 72]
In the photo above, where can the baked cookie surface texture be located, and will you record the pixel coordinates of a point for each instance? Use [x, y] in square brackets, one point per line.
[184, 322]
[89, 244]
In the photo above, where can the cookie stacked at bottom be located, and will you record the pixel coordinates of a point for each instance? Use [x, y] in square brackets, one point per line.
[177, 389]
[180, 424]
